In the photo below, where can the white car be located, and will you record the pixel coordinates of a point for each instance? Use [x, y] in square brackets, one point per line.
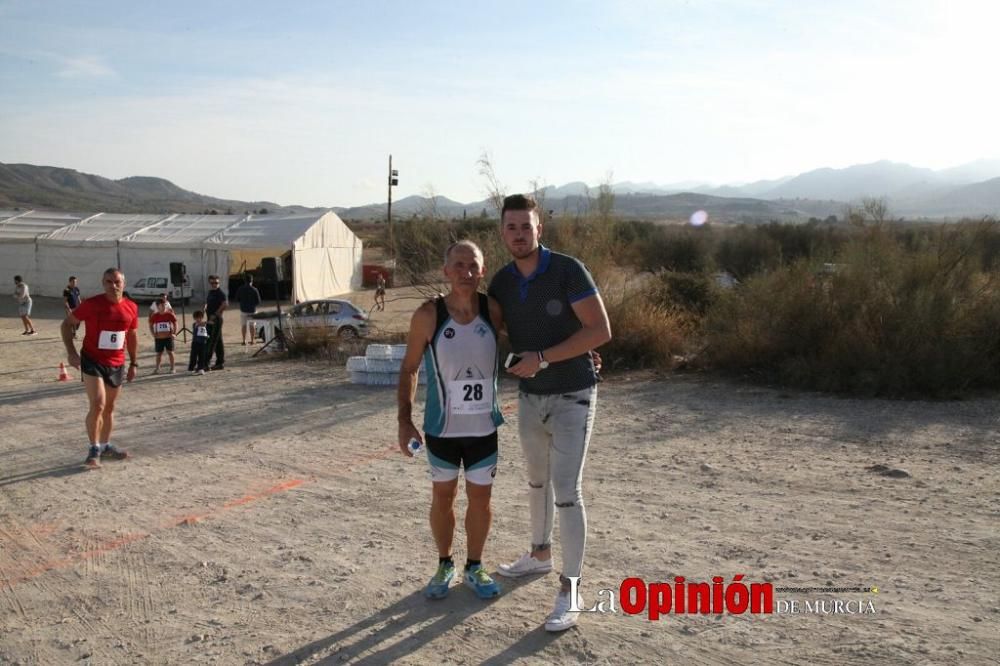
[343, 317]
[150, 287]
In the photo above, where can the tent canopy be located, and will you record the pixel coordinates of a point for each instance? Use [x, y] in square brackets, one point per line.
[326, 255]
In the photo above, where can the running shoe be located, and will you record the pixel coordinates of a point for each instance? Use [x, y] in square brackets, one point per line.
[93, 460]
[112, 453]
[524, 566]
[156, 371]
[32, 332]
[562, 618]
[199, 372]
[481, 582]
[437, 588]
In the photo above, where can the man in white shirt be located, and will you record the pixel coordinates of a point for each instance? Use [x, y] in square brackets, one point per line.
[23, 297]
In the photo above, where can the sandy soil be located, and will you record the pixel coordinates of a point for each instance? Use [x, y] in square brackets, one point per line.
[267, 518]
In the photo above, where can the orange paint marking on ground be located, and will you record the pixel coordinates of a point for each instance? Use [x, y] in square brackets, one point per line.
[273, 490]
[191, 519]
[381, 454]
[120, 542]
[65, 562]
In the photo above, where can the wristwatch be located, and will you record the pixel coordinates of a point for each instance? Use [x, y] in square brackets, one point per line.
[542, 363]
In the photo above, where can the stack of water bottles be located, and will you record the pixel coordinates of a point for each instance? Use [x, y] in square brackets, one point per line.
[379, 366]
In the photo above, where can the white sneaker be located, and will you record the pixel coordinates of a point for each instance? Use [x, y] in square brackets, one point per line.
[526, 565]
[562, 618]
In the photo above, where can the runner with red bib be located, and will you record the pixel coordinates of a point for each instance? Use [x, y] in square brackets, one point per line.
[111, 322]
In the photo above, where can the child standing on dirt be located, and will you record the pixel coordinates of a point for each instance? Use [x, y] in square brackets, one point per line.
[163, 326]
[198, 362]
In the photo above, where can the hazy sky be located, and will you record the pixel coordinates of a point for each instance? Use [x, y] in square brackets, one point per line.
[302, 102]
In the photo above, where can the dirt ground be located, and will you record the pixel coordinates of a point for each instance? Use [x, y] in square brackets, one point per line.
[266, 517]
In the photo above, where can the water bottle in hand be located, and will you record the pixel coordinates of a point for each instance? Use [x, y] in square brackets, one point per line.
[415, 446]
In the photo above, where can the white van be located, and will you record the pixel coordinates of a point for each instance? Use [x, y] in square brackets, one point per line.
[150, 287]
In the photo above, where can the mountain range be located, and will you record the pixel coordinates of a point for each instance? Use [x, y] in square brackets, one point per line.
[969, 190]
[56, 188]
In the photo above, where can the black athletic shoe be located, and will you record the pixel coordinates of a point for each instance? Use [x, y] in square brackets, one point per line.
[112, 453]
[218, 367]
[93, 460]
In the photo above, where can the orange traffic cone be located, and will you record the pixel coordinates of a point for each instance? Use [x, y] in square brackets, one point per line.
[63, 375]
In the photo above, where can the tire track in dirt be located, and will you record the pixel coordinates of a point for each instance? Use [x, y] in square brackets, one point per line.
[10, 594]
[27, 547]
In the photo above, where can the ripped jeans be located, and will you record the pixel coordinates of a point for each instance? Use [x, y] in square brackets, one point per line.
[555, 433]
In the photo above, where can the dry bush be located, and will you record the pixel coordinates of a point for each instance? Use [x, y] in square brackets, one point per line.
[899, 316]
[645, 332]
[592, 241]
[323, 343]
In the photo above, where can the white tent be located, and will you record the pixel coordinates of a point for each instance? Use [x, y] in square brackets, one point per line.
[19, 231]
[46, 248]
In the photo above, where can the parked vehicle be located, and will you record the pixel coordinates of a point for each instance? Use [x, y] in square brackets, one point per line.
[343, 317]
[150, 287]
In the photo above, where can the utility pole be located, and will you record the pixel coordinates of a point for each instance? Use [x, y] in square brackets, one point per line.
[393, 180]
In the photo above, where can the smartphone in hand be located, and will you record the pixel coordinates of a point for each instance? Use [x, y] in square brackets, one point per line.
[512, 360]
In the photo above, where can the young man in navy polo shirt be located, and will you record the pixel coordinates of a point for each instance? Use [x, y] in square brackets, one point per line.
[216, 303]
[554, 316]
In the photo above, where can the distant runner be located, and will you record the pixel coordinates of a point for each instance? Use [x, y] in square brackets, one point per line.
[379, 292]
[23, 297]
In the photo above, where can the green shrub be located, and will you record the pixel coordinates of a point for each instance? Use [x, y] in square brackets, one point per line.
[746, 251]
[691, 292]
[896, 317]
[645, 334]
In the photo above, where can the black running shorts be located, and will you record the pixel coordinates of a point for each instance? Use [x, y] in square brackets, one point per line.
[113, 376]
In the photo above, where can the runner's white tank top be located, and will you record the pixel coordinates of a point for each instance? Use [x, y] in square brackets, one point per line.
[462, 369]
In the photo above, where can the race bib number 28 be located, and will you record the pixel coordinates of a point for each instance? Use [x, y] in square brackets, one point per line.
[474, 396]
[111, 340]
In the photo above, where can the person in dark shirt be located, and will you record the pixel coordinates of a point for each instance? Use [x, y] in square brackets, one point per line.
[216, 303]
[198, 362]
[249, 299]
[71, 299]
[554, 316]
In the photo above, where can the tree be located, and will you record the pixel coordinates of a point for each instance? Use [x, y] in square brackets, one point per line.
[495, 190]
[538, 192]
[876, 208]
[873, 210]
[606, 199]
